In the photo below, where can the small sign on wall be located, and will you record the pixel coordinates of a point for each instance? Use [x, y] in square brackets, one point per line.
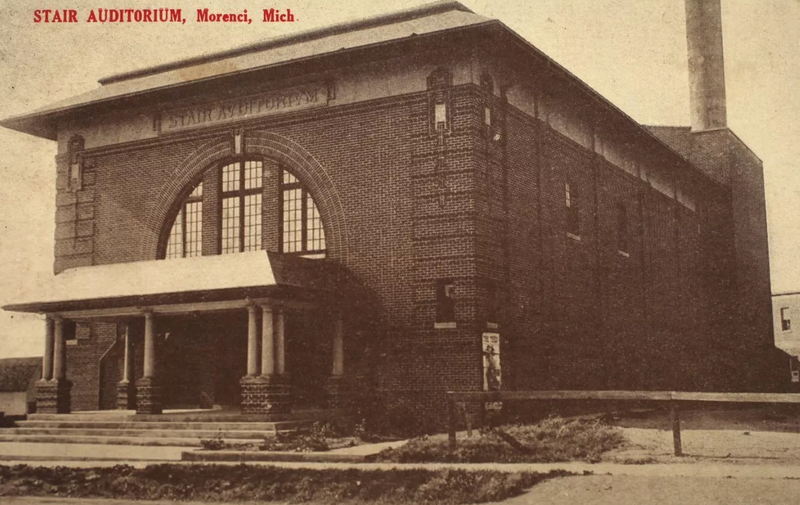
[795, 375]
[492, 375]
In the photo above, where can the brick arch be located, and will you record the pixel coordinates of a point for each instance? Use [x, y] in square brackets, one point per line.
[293, 156]
[317, 180]
[184, 173]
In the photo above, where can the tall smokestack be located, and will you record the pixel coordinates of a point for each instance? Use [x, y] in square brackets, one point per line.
[706, 65]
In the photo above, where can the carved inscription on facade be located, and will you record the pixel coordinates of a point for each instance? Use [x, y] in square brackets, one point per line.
[247, 107]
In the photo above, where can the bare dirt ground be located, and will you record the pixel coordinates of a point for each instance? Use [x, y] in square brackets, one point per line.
[712, 440]
[748, 436]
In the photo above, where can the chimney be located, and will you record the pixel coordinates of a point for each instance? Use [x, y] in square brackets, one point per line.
[706, 66]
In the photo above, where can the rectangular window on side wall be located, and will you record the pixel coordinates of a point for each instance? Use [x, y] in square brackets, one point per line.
[622, 229]
[786, 319]
[440, 116]
[445, 304]
[75, 175]
[70, 333]
[572, 203]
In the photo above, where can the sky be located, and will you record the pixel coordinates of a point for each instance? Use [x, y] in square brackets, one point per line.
[631, 51]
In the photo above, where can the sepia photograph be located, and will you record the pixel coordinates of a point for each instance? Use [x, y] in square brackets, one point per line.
[400, 252]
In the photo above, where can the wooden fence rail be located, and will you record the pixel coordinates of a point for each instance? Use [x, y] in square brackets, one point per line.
[673, 398]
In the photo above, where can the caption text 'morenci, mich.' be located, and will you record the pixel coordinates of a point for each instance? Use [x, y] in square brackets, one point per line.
[162, 15]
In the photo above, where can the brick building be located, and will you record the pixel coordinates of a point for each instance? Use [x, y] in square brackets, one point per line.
[785, 312]
[370, 206]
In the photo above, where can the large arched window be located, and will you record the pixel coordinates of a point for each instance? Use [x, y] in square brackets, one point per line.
[240, 198]
[301, 230]
[186, 234]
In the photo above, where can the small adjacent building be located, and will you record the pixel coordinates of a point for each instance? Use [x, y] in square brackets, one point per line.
[786, 322]
[18, 378]
[397, 206]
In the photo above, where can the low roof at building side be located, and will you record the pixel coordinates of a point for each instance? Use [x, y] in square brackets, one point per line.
[429, 20]
[16, 374]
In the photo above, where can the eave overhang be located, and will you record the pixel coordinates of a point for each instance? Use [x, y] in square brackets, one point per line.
[257, 275]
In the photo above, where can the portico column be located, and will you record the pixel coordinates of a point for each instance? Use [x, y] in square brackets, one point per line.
[267, 342]
[126, 365]
[125, 398]
[269, 392]
[47, 359]
[52, 392]
[59, 365]
[252, 341]
[280, 345]
[337, 385]
[148, 390]
[149, 370]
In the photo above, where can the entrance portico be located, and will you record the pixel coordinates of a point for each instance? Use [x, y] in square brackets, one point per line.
[268, 303]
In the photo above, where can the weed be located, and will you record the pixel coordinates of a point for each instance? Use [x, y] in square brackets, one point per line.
[552, 439]
[214, 444]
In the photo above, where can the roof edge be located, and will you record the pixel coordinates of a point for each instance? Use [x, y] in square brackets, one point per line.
[25, 123]
[283, 40]
[641, 128]
[786, 293]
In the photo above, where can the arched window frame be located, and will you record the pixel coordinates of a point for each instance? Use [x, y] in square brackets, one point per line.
[307, 219]
[310, 229]
[186, 226]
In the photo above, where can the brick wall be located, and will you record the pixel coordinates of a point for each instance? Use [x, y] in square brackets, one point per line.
[582, 315]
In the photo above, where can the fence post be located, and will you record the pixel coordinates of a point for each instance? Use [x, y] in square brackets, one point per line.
[451, 422]
[675, 415]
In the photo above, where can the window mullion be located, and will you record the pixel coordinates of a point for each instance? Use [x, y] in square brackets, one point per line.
[183, 230]
[241, 206]
[303, 217]
[281, 190]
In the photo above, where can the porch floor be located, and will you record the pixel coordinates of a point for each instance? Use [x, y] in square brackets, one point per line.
[222, 414]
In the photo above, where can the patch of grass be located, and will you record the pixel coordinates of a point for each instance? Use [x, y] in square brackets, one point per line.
[215, 483]
[553, 439]
[319, 437]
[642, 460]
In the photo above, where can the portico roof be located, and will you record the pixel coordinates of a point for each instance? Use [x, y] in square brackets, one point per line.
[185, 280]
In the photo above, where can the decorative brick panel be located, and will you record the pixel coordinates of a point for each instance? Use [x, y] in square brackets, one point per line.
[126, 396]
[148, 396]
[53, 396]
[266, 395]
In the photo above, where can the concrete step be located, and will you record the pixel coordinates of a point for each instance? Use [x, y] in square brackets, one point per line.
[153, 425]
[182, 433]
[138, 440]
[172, 428]
[191, 416]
